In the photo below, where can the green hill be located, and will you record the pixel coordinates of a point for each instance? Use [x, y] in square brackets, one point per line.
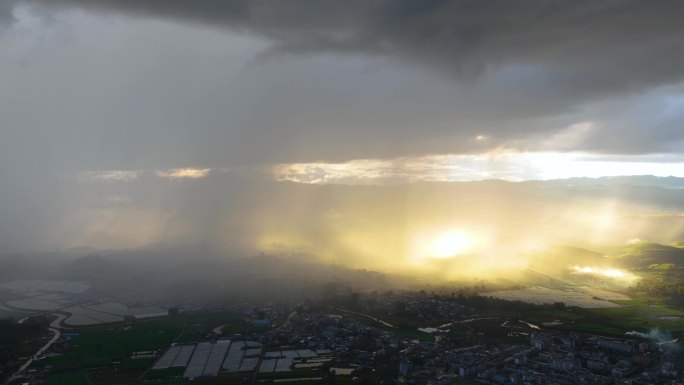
[645, 254]
[678, 244]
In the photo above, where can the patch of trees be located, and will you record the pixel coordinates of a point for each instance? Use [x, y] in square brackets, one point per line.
[669, 292]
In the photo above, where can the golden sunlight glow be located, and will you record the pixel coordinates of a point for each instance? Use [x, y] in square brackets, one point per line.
[613, 273]
[608, 272]
[451, 244]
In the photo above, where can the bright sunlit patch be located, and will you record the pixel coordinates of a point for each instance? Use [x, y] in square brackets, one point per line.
[584, 270]
[607, 272]
[503, 164]
[184, 173]
[613, 273]
[451, 244]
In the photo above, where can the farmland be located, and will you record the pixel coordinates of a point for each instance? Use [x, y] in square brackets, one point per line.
[12, 313]
[632, 315]
[108, 313]
[82, 316]
[103, 347]
[36, 304]
[30, 296]
[35, 286]
[571, 296]
[68, 378]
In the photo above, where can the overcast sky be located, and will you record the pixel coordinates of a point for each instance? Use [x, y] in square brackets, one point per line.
[354, 91]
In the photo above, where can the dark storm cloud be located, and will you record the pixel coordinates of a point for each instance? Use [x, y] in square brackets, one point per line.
[593, 46]
[644, 123]
[513, 70]
[6, 16]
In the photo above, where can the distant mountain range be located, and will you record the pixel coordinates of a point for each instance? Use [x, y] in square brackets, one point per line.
[612, 181]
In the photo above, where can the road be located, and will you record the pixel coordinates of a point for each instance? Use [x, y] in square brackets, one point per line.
[55, 327]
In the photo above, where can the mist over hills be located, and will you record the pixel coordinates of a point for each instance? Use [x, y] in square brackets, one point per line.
[377, 227]
[193, 273]
[197, 273]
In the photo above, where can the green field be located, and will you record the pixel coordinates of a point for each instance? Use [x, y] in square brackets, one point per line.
[303, 382]
[160, 374]
[292, 374]
[68, 378]
[197, 325]
[204, 323]
[137, 364]
[633, 315]
[103, 345]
